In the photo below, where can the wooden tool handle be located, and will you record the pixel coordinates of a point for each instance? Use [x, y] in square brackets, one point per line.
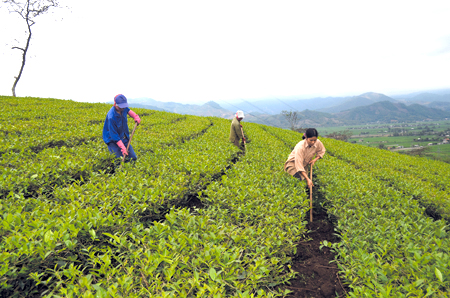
[310, 197]
[128, 146]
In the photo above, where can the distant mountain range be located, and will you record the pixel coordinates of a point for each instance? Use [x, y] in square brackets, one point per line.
[210, 108]
[387, 111]
[445, 106]
[330, 111]
[383, 112]
[334, 104]
[357, 101]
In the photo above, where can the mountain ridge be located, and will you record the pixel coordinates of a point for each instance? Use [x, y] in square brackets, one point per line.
[321, 111]
[383, 111]
[364, 99]
[210, 108]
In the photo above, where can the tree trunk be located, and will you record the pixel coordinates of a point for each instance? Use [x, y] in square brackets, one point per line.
[24, 57]
[28, 10]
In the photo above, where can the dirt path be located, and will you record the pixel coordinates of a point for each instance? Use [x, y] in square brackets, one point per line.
[317, 276]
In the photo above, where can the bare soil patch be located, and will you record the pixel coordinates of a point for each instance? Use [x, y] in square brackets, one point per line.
[317, 277]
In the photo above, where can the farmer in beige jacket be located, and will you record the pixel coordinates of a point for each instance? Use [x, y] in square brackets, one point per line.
[303, 154]
[236, 130]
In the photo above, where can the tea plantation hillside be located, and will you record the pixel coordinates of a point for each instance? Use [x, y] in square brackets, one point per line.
[72, 225]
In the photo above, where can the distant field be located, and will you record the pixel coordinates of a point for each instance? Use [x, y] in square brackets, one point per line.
[384, 128]
[383, 135]
[405, 141]
[441, 152]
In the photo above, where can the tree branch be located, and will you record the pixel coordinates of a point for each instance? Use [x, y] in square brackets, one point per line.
[18, 48]
[28, 10]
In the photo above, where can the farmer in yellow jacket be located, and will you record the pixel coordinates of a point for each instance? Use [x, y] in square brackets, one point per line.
[236, 130]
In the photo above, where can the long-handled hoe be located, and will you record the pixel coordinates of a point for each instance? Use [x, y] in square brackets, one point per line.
[128, 146]
[310, 198]
[245, 143]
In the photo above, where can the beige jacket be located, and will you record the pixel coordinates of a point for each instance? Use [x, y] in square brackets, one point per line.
[235, 130]
[303, 154]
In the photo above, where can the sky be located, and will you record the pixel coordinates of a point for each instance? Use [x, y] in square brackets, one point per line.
[197, 51]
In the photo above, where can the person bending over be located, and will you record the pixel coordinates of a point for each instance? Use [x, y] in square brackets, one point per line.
[115, 130]
[303, 154]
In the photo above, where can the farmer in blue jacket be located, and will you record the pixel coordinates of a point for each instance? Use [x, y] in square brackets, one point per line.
[115, 130]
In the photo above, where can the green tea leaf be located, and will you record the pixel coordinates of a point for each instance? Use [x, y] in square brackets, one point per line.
[438, 274]
[48, 236]
[213, 274]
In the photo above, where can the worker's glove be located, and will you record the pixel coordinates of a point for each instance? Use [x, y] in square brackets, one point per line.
[122, 148]
[134, 116]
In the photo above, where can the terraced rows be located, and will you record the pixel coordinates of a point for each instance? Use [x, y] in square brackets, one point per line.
[232, 247]
[389, 246]
[73, 226]
[102, 234]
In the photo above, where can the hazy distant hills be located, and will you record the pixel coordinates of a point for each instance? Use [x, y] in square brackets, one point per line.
[429, 97]
[365, 108]
[387, 111]
[321, 104]
[276, 105]
[412, 96]
[383, 112]
[150, 107]
[442, 105]
[308, 118]
[210, 108]
[357, 101]
[330, 111]
[334, 104]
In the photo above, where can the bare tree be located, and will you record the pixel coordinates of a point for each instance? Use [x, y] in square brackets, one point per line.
[291, 117]
[28, 10]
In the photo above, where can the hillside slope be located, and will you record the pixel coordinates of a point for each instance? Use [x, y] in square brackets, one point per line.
[179, 220]
[195, 216]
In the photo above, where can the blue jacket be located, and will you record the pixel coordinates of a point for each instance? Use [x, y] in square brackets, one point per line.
[116, 126]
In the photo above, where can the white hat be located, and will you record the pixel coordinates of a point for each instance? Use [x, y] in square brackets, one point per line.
[240, 114]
